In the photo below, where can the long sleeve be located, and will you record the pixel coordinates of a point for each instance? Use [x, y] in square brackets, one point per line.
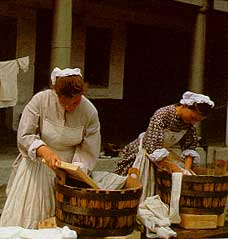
[189, 140]
[28, 137]
[88, 151]
[188, 145]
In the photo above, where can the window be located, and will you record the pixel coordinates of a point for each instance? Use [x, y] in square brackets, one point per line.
[97, 56]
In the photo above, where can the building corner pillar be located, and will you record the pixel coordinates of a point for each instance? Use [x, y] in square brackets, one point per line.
[197, 71]
[61, 34]
[199, 50]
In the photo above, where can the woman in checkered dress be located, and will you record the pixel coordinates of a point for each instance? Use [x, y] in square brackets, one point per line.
[168, 126]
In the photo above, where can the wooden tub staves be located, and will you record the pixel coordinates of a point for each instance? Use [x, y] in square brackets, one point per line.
[200, 194]
[97, 212]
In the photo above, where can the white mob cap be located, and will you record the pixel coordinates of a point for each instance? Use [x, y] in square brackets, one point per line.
[65, 72]
[189, 98]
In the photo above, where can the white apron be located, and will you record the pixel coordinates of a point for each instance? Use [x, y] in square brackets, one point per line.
[31, 192]
[145, 166]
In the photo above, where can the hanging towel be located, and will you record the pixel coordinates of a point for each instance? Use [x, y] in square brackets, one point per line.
[175, 198]
[8, 80]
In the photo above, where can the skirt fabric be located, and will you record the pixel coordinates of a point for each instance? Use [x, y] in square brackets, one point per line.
[30, 196]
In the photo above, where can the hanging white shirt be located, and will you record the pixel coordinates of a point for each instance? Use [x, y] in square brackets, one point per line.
[8, 80]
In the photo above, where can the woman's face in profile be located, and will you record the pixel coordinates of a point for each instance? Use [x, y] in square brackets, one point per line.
[190, 116]
[70, 104]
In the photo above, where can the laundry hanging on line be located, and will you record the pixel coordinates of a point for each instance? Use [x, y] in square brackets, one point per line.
[8, 80]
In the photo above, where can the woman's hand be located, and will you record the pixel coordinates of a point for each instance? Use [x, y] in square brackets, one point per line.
[188, 163]
[50, 157]
[168, 165]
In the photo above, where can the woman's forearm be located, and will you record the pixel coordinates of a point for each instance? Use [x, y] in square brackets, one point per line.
[188, 162]
[50, 157]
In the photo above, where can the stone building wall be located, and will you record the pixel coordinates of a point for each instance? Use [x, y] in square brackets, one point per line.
[25, 46]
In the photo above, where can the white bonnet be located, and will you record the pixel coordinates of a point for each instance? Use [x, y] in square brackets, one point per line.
[65, 72]
[189, 98]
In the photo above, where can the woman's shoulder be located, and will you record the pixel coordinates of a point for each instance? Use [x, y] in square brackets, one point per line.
[164, 115]
[86, 104]
[166, 109]
[42, 96]
[44, 93]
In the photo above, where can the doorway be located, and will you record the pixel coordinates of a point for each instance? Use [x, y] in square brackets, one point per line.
[156, 72]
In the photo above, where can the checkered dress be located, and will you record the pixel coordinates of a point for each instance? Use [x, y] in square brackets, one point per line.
[165, 118]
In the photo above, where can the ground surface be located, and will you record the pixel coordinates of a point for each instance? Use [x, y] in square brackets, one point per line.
[8, 153]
